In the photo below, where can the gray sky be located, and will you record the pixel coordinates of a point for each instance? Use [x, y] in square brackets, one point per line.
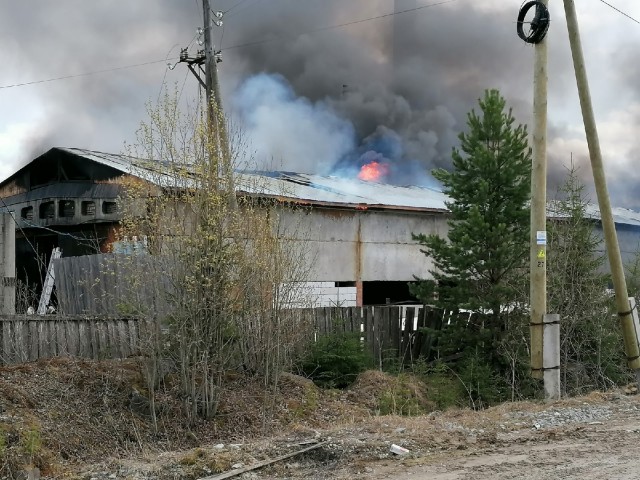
[410, 79]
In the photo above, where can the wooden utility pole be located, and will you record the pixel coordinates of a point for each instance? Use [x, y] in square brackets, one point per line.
[215, 116]
[212, 88]
[608, 225]
[538, 239]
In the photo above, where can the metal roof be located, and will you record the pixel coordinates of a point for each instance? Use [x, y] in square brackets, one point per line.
[313, 189]
[621, 216]
[156, 172]
[297, 187]
[331, 190]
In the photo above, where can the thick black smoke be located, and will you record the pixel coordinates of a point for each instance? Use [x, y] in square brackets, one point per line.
[405, 82]
[397, 87]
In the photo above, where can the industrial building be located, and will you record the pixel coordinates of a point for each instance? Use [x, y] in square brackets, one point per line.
[357, 233]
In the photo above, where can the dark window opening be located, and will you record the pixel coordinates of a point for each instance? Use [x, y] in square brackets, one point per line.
[109, 207]
[27, 213]
[345, 284]
[47, 210]
[88, 207]
[381, 293]
[66, 208]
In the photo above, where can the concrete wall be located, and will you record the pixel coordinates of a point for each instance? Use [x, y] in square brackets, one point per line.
[7, 264]
[629, 240]
[349, 245]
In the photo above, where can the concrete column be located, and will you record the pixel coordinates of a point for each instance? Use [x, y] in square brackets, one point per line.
[551, 356]
[8, 264]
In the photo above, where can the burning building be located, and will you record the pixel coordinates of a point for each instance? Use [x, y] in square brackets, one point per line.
[357, 232]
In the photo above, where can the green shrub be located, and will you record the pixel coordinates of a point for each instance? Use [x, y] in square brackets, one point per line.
[443, 387]
[482, 382]
[335, 360]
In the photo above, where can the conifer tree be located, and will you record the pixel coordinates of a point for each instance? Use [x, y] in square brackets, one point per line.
[482, 263]
[591, 356]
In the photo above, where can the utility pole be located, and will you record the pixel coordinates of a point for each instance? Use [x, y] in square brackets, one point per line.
[215, 113]
[7, 264]
[604, 203]
[210, 56]
[538, 239]
[538, 235]
[204, 64]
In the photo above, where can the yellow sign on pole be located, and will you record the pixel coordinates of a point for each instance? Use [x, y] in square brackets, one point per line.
[541, 254]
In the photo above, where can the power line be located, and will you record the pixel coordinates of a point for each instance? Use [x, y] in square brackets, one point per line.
[341, 25]
[243, 8]
[85, 74]
[13, 217]
[64, 234]
[154, 62]
[234, 6]
[620, 11]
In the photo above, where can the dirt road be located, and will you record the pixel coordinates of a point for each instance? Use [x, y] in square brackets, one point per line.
[594, 437]
[610, 452]
[86, 430]
[589, 441]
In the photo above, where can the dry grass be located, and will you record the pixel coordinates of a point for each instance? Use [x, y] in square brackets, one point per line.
[83, 413]
[63, 414]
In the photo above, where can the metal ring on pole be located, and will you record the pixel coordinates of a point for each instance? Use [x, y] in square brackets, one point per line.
[538, 26]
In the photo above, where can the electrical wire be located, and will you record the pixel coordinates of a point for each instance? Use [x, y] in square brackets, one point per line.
[620, 11]
[243, 8]
[154, 62]
[341, 25]
[13, 217]
[221, 37]
[234, 6]
[85, 74]
[164, 77]
[64, 234]
[184, 82]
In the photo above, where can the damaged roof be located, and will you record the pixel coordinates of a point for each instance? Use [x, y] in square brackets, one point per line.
[313, 189]
[289, 186]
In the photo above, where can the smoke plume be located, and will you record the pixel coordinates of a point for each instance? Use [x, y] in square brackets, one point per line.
[396, 89]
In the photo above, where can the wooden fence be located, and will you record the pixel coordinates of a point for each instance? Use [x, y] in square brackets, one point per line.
[29, 338]
[111, 285]
[392, 334]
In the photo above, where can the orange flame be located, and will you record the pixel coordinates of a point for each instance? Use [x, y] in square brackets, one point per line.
[373, 172]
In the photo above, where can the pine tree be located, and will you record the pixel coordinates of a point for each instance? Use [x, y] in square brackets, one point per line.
[481, 265]
[591, 353]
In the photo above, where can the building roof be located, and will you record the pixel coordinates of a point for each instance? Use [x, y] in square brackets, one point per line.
[289, 186]
[314, 189]
[621, 216]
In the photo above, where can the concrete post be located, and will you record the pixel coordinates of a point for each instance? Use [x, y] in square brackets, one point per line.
[8, 264]
[551, 356]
